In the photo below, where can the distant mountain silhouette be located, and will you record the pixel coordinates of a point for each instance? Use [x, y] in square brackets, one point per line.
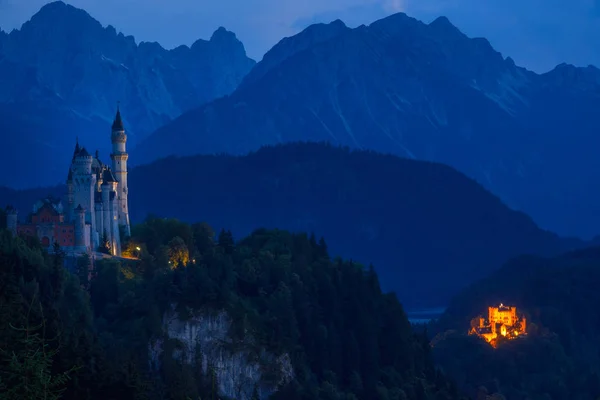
[62, 74]
[420, 91]
[428, 229]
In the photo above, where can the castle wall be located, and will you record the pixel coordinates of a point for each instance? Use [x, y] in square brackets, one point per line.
[45, 215]
[504, 315]
[64, 234]
[114, 212]
[99, 220]
[106, 214]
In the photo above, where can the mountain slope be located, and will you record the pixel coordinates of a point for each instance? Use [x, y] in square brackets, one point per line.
[420, 91]
[427, 228]
[63, 73]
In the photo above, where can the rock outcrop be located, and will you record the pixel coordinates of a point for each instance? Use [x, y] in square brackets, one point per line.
[238, 365]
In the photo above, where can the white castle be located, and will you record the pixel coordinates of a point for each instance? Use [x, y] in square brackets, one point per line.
[96, 213]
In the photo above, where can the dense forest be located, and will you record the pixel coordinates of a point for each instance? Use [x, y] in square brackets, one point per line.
[85, 334]
[411, 219]
[559, 358]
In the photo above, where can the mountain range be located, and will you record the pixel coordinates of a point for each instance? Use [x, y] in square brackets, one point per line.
[421, 91]
[428, 229]
[62, 74]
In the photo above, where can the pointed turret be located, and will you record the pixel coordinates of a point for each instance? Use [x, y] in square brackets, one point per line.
[77, 148]
[83, 153]
[118, 122]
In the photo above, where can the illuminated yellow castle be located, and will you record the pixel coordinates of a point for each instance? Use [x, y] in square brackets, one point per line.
[502, 321]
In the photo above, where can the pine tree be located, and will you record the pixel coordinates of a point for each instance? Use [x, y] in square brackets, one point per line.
[28, 375]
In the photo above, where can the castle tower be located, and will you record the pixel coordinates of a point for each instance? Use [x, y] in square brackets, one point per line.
[119, 158]
[11, 220]
[79, 226]
[84, 183]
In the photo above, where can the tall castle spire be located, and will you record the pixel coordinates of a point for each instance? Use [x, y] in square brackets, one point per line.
[119, 158]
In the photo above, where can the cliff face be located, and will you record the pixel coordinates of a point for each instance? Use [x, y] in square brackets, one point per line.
[239, 366]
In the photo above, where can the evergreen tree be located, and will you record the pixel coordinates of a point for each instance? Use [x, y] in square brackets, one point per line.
[28, 373]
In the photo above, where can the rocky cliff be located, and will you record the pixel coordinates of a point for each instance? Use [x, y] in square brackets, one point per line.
[238, 365]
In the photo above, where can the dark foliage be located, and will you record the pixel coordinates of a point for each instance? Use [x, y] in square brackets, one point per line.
[346, 339]
[560, 358]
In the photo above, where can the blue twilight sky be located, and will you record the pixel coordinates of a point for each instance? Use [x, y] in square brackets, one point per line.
[537, 34]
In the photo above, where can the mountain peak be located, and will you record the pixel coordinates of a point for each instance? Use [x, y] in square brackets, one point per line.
[59, 16]
[442, 21]
[61, 10]
[289, 46]
[442, 25]
[223, 35]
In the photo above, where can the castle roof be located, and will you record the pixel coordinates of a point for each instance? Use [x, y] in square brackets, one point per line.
[70, 176]
[83, 153]
[97, 164]
[77, 148]
[118, 122]
[79, 208]
[108, 176]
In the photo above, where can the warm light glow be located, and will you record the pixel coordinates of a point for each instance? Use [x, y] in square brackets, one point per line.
[138, 248]
[501, 321]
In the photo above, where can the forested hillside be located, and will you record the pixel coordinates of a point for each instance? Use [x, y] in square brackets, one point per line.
[559, 358]
[284, 294]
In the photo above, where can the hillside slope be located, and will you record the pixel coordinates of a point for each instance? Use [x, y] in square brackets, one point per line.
[427, 228]
[559, 359]
[420, 91]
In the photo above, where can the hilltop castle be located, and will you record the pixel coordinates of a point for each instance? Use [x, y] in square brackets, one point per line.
[96, 213]
[502, 321]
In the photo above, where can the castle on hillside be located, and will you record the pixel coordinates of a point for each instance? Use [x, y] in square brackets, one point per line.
[501, 321]
[96, 211]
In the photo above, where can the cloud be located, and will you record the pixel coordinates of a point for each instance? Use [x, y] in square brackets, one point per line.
[394, 6]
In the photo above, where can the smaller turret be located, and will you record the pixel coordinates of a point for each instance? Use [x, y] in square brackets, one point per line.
[11, 219]
[77, 148]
